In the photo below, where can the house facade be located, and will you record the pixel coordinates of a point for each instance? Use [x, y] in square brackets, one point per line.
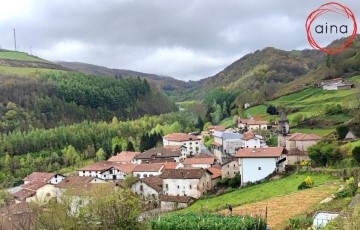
[230, 168]
[51, 178]
[148, 170]
[186, 182]
[107, 170]
[251, 140]
[295, 156]
[251, 124]
[199, 162]
[149, 190]
[256, 164]
[226, 143]
[191, 142]
[302, 141]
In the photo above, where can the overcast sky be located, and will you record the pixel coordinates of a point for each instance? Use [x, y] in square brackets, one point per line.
[185, 39]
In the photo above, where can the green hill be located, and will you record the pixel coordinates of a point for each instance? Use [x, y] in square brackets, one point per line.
[36, 93]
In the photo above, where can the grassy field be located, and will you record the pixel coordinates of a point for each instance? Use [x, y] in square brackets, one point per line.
[20, 56]
[320, 132]
[257, 193]
[227, 122]
[281, 208]
[26, 70]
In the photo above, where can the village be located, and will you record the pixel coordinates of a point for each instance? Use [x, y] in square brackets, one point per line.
[173, 176]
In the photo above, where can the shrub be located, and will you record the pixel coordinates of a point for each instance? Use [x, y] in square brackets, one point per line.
[356, 153]
[341, 131]
[307, 183]
[235, 182]
[192, 221]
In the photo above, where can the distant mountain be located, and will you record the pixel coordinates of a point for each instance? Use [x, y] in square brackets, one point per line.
[164, 82]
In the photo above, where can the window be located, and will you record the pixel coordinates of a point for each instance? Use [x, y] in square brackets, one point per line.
[259, 168]
[166, 186]
[190, 186]
[141, 188]
[196, 142]
[138, 175]
[83, 172]
[228, 173]
[145, 175]
[228, 166]
[178, 186]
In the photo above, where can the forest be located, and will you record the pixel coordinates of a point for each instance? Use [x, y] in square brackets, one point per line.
[49, 100]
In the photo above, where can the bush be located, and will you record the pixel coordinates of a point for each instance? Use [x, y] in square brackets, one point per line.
[307, 183]
[191, 221]
[235, 182]
[356, 153]
[341, 131]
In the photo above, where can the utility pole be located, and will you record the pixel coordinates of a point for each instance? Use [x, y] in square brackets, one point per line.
[15, 39]
[30, 50]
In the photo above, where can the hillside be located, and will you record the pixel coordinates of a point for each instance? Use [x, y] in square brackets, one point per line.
[164, 82]
[35, 93]
[270, 73]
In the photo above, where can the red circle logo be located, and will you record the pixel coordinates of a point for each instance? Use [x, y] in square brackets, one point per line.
[336, 8]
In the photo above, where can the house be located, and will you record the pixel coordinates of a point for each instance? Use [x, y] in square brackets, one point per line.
[252, 124]
[51, 178]
[149, 190]
[229, 168]
[173, 165]
[295, 156]
[124, 157]
[201, 161]
[191, 142]
[148, 170]
[216, 175]
[157, 155]
[193, 182]
[77, 191]
[226, 143]
[38, 187]
[302, 141]
[170, 203]
[256, 164]
[213, 128]
[350, 136]
[107, 170]
[36, 191]
[251, 140]
[283, 129]
[177, 148]
[336, 84]
[246, 105]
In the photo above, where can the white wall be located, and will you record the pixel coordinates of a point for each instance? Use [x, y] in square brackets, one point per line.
[231, 144]
[148, 174]
[56, 179]
[192, 147]
[203, 166]
[146, 193]
[106, 175]
[254, 169]
[252, 143]
[43, 194]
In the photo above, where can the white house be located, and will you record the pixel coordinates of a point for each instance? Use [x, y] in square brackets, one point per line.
[148, 170]
[169, 203]
[251, 140]
[252, 124]
[226, 143]
[157, 155]
[51, 178]
[256, 164]
[336, 84]
[124, 157]
[191, 182]
[200, 161]
[191, 142]
[149, 189]
[107, 170]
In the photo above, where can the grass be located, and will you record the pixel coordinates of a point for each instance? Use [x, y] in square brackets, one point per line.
[257, 193]
[320, 132]
[25, 70]
[228, 122]
[281, 208]
[20, 56]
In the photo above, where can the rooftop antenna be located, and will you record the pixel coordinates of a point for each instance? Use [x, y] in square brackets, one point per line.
[15, 39]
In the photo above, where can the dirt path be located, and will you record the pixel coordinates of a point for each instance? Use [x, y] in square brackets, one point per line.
[281, 208]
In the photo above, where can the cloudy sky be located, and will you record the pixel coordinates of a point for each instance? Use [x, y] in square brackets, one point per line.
[185, 39]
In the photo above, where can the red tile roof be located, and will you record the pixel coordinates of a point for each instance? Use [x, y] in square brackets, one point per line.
[124, 156]
[217, 144]
[154, 182]
[155, 167]
[158, 153]
[296, 152]
[179, 137]
[251, 121]
[171, 165]
[173, 147]
[248, 135]
[178, 199]
[270, 152]
[29, 189]
[216, 172]
[105, 165]
[303, 137]
[77, 185]
[198, 160]
[219, 128]
[184, 173]
[39, 176]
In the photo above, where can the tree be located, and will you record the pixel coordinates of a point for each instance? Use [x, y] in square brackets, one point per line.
[341, 131]
[130, 146]
[272, 110]
[100, 154]
[356, 153]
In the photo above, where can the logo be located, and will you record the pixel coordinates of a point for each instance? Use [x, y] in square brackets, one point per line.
[321, 24]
